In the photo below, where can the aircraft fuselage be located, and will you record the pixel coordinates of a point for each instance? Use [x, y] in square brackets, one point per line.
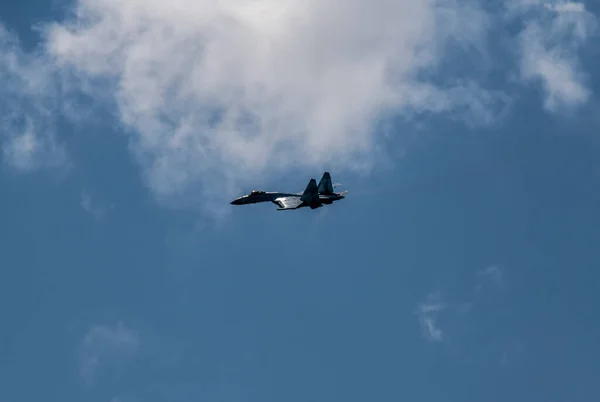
[315, 196]
[326, 199]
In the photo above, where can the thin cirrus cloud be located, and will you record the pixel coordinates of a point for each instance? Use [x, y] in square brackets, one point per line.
[97, 208]
[105, 349]
[212, 93]
[491, 281]
[427, 313]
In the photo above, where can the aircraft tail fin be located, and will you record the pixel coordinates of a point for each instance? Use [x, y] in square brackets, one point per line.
[325, 185]
[311, 188]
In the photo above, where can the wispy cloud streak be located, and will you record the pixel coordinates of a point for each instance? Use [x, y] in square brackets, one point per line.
[106, 349]
[490, 281]
[96, 208]
[427, 314]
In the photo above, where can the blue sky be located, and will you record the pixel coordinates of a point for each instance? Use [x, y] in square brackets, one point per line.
[462, 266]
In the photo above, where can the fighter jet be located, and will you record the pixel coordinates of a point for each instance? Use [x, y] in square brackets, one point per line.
[314, 196]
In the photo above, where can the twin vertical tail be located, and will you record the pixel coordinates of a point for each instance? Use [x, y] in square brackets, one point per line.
[325, 185]
[311, 191]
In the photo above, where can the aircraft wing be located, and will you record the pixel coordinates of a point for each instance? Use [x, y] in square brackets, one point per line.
[288, 202]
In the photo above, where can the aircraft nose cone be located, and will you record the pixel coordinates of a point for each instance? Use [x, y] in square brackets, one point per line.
[237, 201]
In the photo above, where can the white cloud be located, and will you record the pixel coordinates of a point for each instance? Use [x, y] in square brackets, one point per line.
[20, 150]
[215, 92]
[427, 315]
[452, 320]
[26, 109]
[565, 7]
[93, 206]
[549, 46]
[106, 349]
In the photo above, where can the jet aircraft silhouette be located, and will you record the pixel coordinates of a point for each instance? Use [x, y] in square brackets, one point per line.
[314, 196]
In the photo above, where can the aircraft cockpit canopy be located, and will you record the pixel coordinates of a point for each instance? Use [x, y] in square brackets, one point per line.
[256, 192]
